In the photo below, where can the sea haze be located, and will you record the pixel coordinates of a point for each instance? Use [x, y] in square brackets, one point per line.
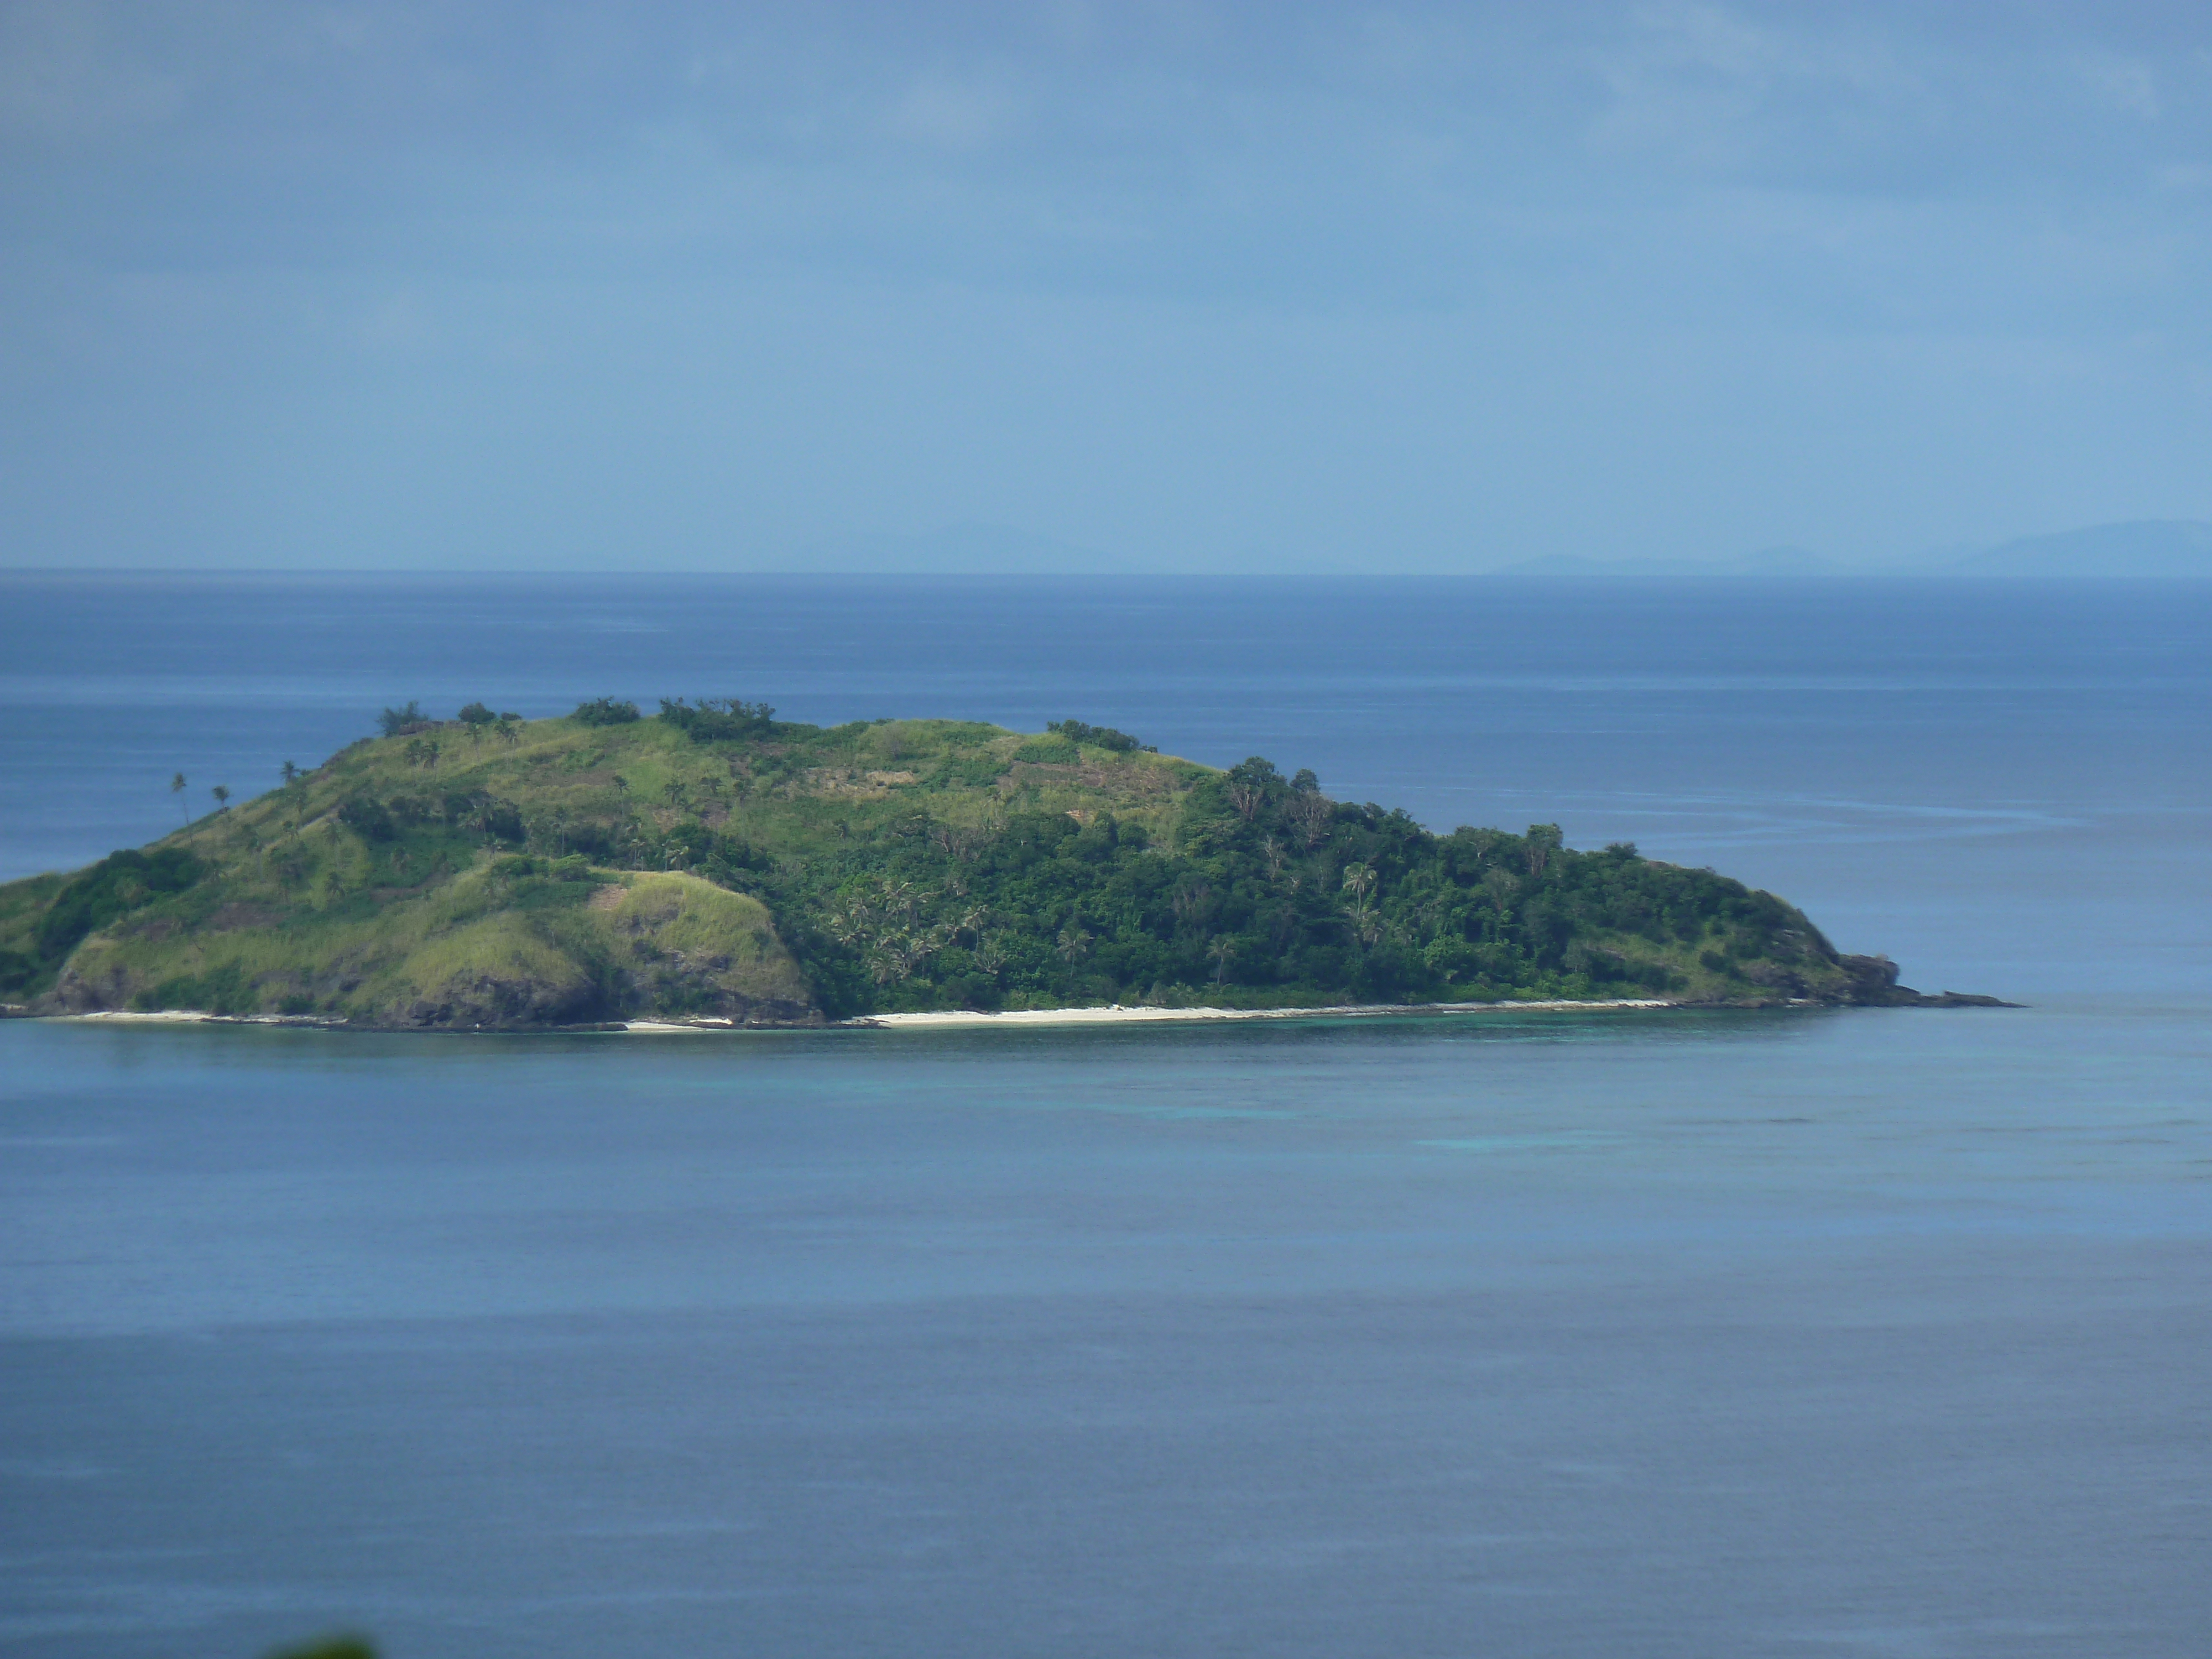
[1678, 1334]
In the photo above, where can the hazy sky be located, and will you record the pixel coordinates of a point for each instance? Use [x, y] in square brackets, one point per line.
[1349, 287]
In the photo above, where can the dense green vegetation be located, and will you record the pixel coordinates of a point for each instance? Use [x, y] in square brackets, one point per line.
[1262, 892]
[109, 890]
[715, 860]
[334, 1647]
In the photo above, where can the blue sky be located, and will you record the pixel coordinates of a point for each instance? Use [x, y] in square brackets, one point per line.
[1192, 287]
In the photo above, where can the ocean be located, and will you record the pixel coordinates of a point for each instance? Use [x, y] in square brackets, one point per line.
[1873, 1331]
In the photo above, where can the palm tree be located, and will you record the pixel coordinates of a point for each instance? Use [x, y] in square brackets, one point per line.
[221, 798]
[484, 815]
[898, 898]
[1360, 881]
[288, 772]
[177, 789]
[1074, 944]
[1220, 951]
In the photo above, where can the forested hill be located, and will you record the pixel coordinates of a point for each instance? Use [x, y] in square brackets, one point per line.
[714, 861]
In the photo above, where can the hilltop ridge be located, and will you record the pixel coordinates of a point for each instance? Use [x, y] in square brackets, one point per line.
[712, 861]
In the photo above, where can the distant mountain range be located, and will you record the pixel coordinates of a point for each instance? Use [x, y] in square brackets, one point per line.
[2145, 548]
[1770, 562]
[2148, 547]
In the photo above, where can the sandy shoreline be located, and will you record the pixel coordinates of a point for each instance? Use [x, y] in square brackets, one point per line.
[1118, 1015]
[969, 1019]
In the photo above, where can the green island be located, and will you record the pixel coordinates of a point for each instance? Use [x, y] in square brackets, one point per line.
[711, 863]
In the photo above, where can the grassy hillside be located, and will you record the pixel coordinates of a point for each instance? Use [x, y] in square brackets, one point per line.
[713, 861]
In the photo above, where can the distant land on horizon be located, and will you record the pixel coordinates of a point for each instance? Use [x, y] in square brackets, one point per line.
[2135, 549]
[2146, 548]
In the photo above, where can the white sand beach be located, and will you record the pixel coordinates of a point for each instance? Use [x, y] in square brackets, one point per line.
[1117, 1014]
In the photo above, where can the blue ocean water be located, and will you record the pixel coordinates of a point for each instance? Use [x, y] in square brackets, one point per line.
[1876, 1331]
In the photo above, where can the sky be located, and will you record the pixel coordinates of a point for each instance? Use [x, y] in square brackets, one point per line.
[1127, 286]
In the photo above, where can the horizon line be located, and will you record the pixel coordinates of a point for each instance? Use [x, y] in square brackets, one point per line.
[1596, 573]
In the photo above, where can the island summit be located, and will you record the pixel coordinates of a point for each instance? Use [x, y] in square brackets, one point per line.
[715, 863]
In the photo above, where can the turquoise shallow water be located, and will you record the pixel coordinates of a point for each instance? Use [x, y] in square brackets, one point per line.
[1878, 1332]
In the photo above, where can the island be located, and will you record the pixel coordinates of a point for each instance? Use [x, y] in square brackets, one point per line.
[712, 865]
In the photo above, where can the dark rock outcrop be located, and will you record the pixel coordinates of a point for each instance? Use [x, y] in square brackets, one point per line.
[1873, 985]
[501, 1003]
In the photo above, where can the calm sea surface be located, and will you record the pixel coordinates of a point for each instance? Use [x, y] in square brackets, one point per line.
[1876, 1331]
